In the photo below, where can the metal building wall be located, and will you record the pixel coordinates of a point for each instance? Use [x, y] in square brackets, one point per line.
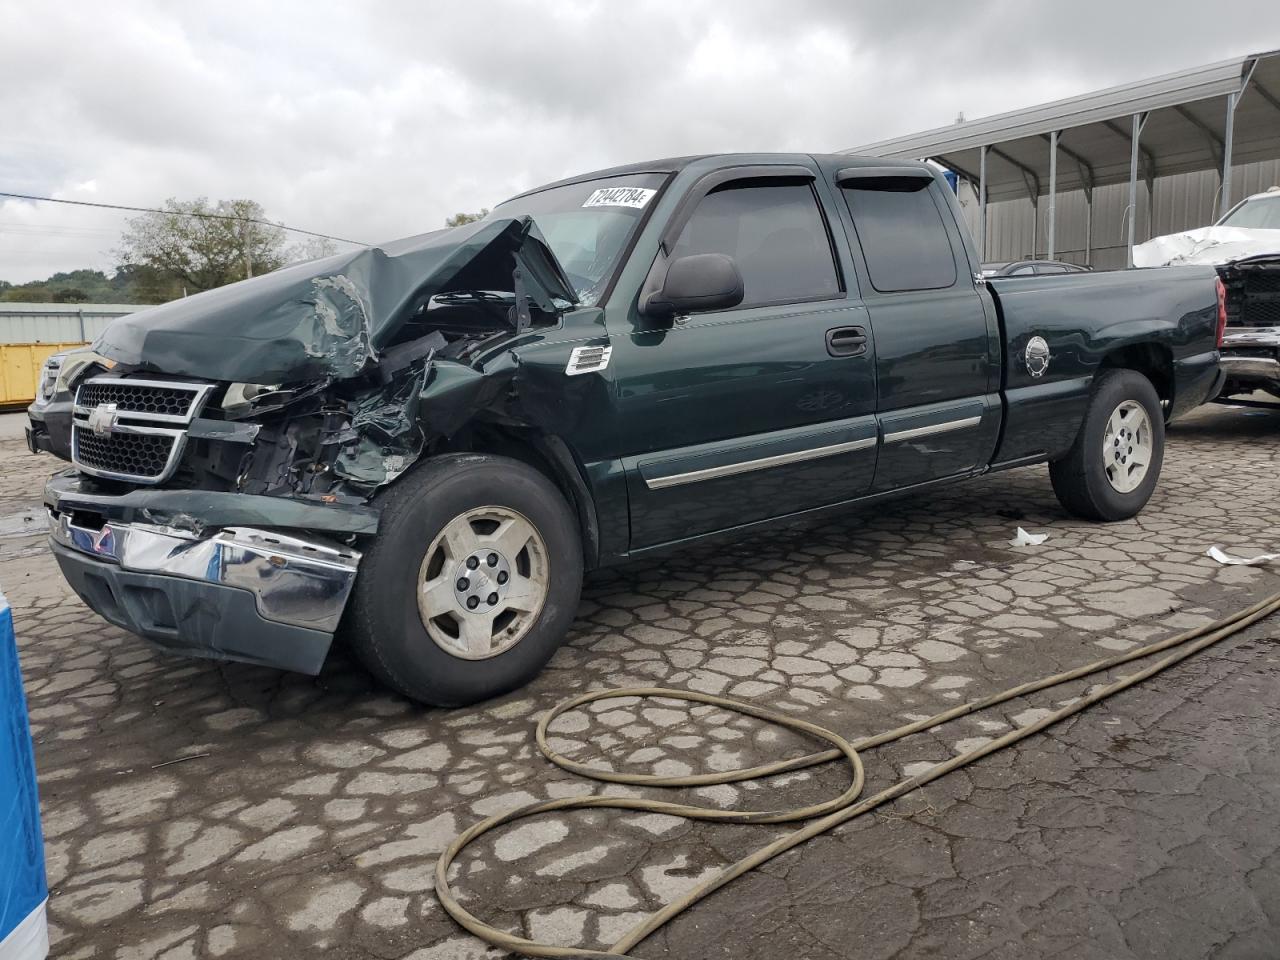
[58, 322]
[1181, 202]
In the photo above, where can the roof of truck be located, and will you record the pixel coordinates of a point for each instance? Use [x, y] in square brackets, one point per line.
[674, 164]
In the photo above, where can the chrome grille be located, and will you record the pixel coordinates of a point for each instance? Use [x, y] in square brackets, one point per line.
[133, 429]
[126, 454]
[137, 398]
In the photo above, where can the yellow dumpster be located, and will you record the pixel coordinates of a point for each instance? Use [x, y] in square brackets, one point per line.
[20, 369]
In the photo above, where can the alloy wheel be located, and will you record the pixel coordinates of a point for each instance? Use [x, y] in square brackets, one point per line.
[483, 582]
[1127, 446]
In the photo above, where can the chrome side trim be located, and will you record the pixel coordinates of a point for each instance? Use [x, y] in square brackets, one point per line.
[764, 463]
[300, 582]
[934, 428]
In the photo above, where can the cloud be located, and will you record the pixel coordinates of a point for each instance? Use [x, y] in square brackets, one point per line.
[378, 120]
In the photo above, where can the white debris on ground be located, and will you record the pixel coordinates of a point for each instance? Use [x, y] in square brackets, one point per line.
[1227, 558]
[1024, 539]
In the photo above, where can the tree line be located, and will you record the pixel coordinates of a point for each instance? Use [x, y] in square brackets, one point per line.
[187, 247]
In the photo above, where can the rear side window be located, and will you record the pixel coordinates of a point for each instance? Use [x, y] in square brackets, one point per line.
[902, 234]
[775, 233]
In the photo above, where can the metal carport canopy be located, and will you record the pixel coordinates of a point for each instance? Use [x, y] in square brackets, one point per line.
[1184, 121]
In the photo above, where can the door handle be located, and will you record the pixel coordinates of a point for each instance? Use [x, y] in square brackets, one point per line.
[846, 341]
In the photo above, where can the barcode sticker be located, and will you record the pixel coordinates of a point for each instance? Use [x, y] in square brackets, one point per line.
[636, 197]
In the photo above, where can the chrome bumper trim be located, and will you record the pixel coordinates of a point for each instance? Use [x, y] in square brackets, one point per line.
[1251, 337]
[1254, 368]
[1251, 367]
[304, 583]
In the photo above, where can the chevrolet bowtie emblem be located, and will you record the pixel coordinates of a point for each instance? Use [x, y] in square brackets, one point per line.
[102, 419]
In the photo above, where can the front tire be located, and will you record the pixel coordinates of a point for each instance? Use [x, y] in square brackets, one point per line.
[472, 582]
[1112, 469]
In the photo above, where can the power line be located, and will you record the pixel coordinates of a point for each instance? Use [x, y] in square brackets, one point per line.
[182, 213]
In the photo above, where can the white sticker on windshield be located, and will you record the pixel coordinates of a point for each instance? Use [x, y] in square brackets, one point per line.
[636, 197]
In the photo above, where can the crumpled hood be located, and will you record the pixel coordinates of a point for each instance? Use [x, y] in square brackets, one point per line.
[323, 318]
[1206, 245]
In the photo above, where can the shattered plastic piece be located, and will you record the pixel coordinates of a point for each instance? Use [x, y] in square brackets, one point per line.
[1024, 539]
[1243, 561]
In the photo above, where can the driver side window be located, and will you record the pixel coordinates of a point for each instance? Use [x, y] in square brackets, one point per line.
[775, 233]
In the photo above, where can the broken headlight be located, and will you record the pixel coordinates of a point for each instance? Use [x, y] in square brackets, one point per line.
[242, 399]
[48, 384]
[61, 371]
[246, 399]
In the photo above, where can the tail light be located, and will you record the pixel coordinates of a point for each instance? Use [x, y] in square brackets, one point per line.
[1222, 310]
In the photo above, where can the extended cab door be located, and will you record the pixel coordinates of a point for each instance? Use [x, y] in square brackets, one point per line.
[937, 337]
[759, 411]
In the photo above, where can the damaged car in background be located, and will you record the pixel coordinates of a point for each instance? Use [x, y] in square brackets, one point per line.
[422, 446]
[1245, 247]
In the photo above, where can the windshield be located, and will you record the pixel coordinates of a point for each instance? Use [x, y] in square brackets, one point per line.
[588, 224]
[1259, 213]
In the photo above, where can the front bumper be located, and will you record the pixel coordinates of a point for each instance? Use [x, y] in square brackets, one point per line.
[196, 510]
[49, 428]
[235, 594]
[1251, 359]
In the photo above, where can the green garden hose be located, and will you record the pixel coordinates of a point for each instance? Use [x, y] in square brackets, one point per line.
[829, 814]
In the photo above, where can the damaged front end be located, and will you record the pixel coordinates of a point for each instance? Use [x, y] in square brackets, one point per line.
[227, 446]
[1251, 342]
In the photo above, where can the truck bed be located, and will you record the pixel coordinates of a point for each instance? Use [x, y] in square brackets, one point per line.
[1130, 310]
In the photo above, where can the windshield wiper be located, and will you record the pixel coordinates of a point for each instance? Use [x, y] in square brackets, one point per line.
[473, 296]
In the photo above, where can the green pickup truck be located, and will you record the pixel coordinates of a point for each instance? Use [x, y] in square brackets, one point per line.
[423, 445]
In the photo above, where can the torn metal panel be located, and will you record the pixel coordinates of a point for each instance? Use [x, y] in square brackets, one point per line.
[384, 438]
[198, 510]
[454, 392]
[326, 319]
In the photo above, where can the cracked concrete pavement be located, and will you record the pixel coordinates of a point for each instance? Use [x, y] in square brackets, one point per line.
[195, 809]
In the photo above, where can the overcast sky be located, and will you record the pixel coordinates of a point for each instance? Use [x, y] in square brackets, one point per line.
[377, 120]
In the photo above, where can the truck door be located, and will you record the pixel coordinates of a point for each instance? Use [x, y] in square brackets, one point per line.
[937, 339]
[759, 411]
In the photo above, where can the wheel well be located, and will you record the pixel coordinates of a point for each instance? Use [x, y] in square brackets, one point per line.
[550, 457]
[1149, 359]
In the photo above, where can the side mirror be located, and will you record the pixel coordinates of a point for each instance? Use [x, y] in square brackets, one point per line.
[702, 281]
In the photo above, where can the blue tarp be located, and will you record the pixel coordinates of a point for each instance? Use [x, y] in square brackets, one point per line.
[23, 933]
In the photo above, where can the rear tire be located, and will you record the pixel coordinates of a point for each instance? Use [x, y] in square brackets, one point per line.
[1112, 469]
[409, 621]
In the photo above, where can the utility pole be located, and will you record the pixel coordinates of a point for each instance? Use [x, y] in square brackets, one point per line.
[244, 242]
